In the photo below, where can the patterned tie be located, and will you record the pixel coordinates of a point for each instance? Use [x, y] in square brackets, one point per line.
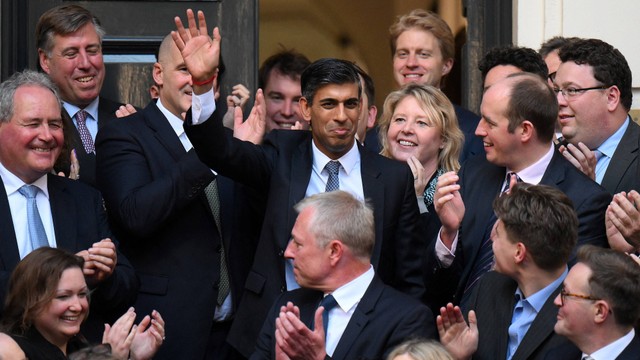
[85, 135]
[333, 167]
[37, 235]
[329, 302]
[485, 255]
[214, 203]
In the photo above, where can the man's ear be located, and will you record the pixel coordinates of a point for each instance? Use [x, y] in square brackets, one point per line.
[371, 119]
[157, 74]
[305, 109]
[613, 98]
[526, 131]
[44, 61]
[336, 250]
[447, 65]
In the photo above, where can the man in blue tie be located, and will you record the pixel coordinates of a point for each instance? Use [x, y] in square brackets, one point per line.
[290, 165]
[532, 240]
[343, 310]
[38, 208]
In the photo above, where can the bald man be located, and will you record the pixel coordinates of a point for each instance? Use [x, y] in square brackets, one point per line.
[175, 225]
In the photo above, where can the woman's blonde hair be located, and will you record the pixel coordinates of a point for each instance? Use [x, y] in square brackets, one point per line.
[440, 113]
[421, 349]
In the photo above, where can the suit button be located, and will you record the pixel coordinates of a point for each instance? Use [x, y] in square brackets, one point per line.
[283, 288]
[281, 253]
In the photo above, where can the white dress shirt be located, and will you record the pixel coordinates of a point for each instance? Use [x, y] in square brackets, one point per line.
[18, 207]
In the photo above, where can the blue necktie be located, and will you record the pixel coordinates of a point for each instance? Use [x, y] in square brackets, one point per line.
[37, 235]
[328, 302]
[333, 167]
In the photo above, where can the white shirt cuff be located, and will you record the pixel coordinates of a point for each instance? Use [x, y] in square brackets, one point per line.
[445, 255]
[202, 107]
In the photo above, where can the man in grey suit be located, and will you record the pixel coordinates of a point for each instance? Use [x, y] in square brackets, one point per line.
[593, 86]
[532, 239]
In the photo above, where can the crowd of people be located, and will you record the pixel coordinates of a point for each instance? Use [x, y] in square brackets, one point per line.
[315, 227]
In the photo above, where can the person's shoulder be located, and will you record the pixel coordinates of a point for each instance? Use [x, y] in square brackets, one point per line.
[108, 105]
[463, 113]
[79, 188]
[9, 348]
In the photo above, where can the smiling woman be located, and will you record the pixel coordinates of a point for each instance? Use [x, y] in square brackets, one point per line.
[48, 300]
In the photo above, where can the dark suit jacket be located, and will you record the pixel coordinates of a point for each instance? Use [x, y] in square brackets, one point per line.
[493, 301]
[468, 123]
[383, 319]
[281, 168]
[106, 113]
[567, 352]
[623, 173]
[79, 221]
[154, 191]
[480, 182]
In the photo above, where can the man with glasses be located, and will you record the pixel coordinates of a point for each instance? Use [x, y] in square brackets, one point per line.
[593, 86]
[532, 240]
[598, 307]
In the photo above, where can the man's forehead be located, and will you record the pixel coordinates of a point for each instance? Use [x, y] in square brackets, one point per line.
[344, 91]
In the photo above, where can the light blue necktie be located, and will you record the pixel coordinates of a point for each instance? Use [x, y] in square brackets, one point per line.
[333, 167]
[37, 235]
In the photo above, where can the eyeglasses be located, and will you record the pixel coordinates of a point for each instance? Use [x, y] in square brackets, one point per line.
[571, 92]
[564, 295]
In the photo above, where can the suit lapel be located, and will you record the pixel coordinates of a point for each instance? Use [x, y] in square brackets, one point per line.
[373, 189]
[359, 319]
[626, 153]
[503, 318]
[163, 131]
[555, 172]
[540, 329]
[63, 212]
[9, 253]
[300, 175]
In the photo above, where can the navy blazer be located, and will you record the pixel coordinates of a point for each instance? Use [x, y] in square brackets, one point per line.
[281, 168]
[623, 172]
[154, 192]
[382, 319]
[481, 181]
[79, 220]
[106, 113]
[567, 352]
[493, 301]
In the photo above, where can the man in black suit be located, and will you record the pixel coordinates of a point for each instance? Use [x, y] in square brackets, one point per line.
[532, 240]
[598, 307]
[290, 165]
[593, 84]
[66, 214]
[343, 310]
[69, 40]
[517, 127]
[177, 229]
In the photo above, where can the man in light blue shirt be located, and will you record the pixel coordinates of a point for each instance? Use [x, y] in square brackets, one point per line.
[513, 311]
[593, 87]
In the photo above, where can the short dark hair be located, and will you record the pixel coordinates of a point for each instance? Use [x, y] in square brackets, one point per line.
[543, 219]
[532, 99]
[615, 277]
[33, 285]
[609, 65]
[525, 59]
[328, 71]
[287, 62]
[369, 87]
[555, 43]
[63, 20]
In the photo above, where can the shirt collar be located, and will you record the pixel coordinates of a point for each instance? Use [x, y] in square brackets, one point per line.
[348, 160]
[12, 183]
[534, 172]
[177, 124]
[349, 294]
[92, 109]
[614, 349]
[539, 298]
[608, 147]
